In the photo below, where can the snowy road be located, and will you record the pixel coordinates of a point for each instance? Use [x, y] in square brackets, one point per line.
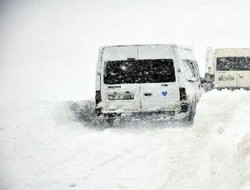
[42, 149]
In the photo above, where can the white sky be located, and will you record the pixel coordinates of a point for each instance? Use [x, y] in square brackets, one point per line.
[49, 48]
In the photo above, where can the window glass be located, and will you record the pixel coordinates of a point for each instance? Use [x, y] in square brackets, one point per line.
[189, 69]
[139, 71]
[233, 63]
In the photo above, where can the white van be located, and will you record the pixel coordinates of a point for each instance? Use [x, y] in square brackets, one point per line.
[160, 80]
[229, 67]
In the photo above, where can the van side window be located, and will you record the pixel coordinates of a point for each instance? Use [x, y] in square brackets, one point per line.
[196, 69]
[189, 68]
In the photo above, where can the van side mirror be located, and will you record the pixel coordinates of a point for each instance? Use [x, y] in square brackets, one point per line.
[192, 79]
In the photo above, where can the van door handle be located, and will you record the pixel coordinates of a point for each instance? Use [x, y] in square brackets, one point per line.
[164, 85]
[147, 94]
[114, 86]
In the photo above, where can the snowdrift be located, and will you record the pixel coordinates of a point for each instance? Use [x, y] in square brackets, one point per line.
[223, 117]
[43, 146]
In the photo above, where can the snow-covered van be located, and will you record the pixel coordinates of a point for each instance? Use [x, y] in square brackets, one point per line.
[147, 80]
[229, 67]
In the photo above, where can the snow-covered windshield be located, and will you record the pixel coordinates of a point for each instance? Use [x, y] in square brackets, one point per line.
[139, 71]
[233, 63]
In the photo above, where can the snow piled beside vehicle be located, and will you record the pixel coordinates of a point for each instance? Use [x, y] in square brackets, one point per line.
[43, 147]
[223, 117]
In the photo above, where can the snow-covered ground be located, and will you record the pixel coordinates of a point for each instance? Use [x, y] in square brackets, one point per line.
[42, 148]
[48, 51]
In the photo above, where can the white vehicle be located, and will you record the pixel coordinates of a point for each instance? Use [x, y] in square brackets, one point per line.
[160, 80]
[229, 67]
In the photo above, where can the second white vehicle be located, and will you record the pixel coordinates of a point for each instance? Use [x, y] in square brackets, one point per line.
[229, 67]
[160, 80]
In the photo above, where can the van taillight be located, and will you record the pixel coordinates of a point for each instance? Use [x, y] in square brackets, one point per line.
[183, 95]
[98, 97]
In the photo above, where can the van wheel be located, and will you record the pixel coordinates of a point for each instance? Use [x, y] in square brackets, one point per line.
[110, 121]
[192, 111]
[103, 123]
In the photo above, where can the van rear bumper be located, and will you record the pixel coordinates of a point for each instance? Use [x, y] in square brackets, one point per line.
[148, 116]
[179, 112]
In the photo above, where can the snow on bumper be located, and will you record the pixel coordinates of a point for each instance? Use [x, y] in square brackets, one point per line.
[174, 110]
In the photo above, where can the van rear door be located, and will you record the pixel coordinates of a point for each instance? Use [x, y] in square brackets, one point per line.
[119, 92]
[159, 90]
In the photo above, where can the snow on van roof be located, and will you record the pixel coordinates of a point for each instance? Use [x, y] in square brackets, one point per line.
[172, 45]
[232, 52]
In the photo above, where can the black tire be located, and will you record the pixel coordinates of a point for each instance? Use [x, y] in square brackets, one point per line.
[103, 122]
[192, 111]
[110, 121]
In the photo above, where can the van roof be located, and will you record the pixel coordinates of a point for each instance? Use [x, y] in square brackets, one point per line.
[232, 52]
[171, 45]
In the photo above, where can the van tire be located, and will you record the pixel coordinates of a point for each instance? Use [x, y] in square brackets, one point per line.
[109, 121]
[192, 111]
[103, 123]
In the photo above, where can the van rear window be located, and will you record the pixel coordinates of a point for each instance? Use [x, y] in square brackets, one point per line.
[139, 71]
[233, 64]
